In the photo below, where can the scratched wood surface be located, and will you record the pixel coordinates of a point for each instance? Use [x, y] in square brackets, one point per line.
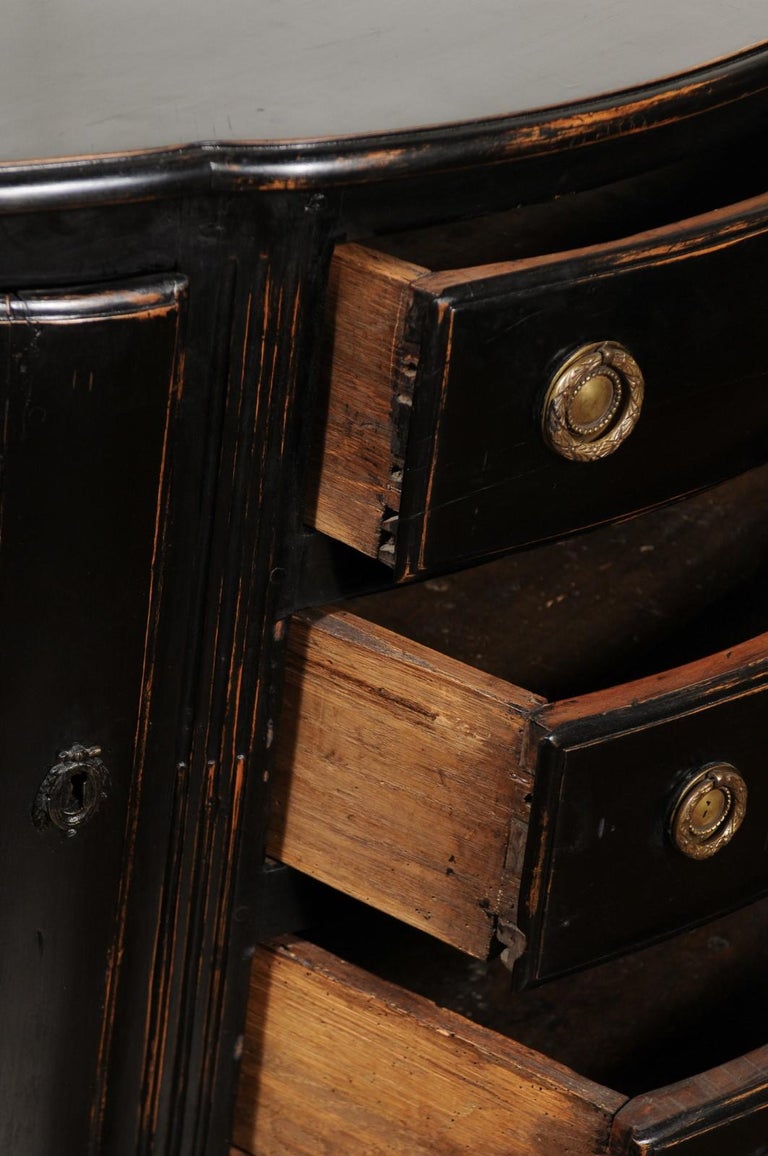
[634, 1024]
[596, 610]
[356, 466]
[380, 1070]
[641, 1025]
[398, 777]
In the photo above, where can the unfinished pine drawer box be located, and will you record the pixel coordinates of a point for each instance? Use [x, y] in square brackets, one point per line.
[469, 807]
[471, 410]
[381, 1070]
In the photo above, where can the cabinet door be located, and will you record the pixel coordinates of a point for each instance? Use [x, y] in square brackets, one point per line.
[87, 379]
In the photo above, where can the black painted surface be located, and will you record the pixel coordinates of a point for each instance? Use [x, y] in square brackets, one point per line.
[729, 1130]
[256, 257]
[86, 402]
[135, 1060]
[607, 875]
[94, 160]
[79, 247]
[479, 477]
[735, 1126]
[256, 271]
[286, 900]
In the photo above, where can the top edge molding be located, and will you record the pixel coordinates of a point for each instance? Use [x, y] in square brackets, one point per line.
[732, 92]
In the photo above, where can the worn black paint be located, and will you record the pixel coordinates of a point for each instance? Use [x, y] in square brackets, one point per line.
[86, 407]
[184, 887]
[607, 875]
[479, 477]
[700, 1123]
[605, 137]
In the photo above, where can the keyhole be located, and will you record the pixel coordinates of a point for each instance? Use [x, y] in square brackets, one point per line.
[77, 786]
[72, 791]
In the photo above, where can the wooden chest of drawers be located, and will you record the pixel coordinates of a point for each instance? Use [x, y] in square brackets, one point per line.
[265, 351]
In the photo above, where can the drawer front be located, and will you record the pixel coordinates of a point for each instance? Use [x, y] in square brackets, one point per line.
[441, 425]
[604, 870]
[723, 1111]
[469, 808]
[397, 777]
[88, 377]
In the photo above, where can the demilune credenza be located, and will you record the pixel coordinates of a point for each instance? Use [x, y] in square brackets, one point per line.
[323, 330]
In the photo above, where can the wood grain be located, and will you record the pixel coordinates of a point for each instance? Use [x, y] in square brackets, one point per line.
[356, 469]
[562, 620]
[398, 777]
[705, 679]
[337, 1061]
[717, 229]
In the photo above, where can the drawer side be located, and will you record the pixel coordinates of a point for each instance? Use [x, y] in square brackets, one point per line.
[398, 777]
[339, 1061]
[356, 460]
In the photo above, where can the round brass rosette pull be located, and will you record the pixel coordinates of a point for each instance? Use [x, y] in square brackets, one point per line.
[593, 402]
[708, 811]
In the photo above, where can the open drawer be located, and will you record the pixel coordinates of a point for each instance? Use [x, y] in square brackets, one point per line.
[337, 1059]
[572, 830]
[474, 409]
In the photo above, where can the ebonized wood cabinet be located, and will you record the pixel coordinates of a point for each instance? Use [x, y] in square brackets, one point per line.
[178, 188]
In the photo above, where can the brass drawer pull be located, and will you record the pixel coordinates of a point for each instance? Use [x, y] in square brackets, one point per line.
[709, 811]
[593, 402]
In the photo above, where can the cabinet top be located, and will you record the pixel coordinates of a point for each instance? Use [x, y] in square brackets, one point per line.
[84, 79]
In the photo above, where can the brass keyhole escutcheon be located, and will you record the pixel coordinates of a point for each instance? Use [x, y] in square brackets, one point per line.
[708, 811]
[593, 402]
[72, 791]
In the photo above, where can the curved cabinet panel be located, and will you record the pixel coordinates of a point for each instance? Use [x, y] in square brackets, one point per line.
[87, 377]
